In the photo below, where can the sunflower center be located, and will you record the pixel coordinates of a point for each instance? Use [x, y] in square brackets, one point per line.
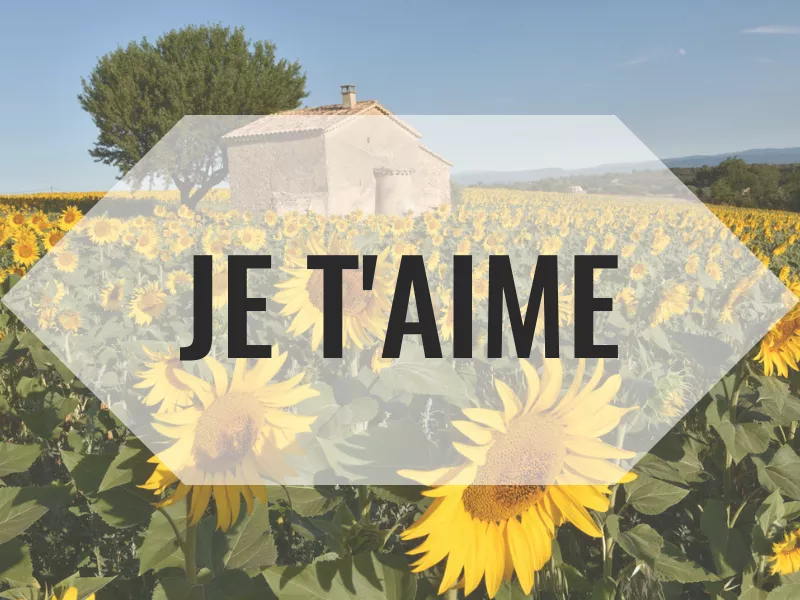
[531, 451]
[784, 330]
[150, 303]
[226, 432]
[354, 298]
[500, 502]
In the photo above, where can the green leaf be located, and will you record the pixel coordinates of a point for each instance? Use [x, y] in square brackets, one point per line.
[653, 496]
[753, 593]
[46, 421]
[357, 411]
[659, 468]
[27, 386]
[250, 543]
[433, 377]
[508, 590]
[399, 494]
[19, 509]
[230, 585]
[16, 568]
[160, 549]
[84, 585]
[123, 506]
[785, 592]
[21, 593]
[672, 565]
[728, 549]
[129, 465]
[604, 589]
[306, 501]
[777, 401]
[87, 470]
[783, 473]
[364, 576]
[644, 543]
[15, 458]
[7, 344]
[741, 439]
[768, 514]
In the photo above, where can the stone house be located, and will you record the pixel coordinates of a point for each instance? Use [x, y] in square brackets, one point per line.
[334, 159]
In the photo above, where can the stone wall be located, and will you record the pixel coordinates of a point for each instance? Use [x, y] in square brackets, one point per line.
[280, 172]
[432, 181]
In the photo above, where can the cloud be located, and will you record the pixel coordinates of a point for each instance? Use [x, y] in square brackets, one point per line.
[681, 52]
[635, 62]
[767, 61]
[774, 30]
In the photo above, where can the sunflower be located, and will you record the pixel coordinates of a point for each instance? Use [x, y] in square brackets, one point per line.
[71, 593]
[785, 557]
[146, 244]
[69, 217]
[66, 262]
[70, 321]
[252, 238]
[549, 452]
[232, 439]
[26, 252]
[16, 219]
[364, 313]
[446, 320]
[52, 294]
[674, 302]
[780, 348]
[17, 270]
[148, 303]
[104, 231]
[112, 294]
[378, 363]
[219, 285]
[52, 238]
[166, 390]
[178, 279]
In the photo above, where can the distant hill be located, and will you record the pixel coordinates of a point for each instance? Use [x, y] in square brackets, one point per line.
[772, 156]
[769, 156]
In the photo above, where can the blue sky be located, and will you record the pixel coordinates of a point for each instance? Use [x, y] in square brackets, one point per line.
[687, 76]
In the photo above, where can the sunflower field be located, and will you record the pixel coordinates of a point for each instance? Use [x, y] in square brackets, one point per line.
[87, 510]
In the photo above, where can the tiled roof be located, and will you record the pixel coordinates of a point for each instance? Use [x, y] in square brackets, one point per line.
[319, 118]
[435, 155]
[338, 109]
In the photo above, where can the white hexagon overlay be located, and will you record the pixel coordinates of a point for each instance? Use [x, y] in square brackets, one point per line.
[113, 300]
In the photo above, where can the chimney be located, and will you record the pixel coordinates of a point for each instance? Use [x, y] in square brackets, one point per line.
[348, 96]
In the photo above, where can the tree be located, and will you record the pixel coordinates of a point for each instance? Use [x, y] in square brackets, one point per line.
[136, 94]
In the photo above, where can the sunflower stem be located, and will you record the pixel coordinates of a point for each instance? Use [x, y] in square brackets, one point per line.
[733, 401]
[451, 594]
[354, 368]
[190, 546]
[364, 503]
[177, 533]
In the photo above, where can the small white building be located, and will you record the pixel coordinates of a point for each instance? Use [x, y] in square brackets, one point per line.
[335, 159]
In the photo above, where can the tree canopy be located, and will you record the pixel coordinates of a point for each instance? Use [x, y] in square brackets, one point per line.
[136, 94]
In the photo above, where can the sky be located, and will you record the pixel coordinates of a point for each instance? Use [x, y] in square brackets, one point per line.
[686, 76]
